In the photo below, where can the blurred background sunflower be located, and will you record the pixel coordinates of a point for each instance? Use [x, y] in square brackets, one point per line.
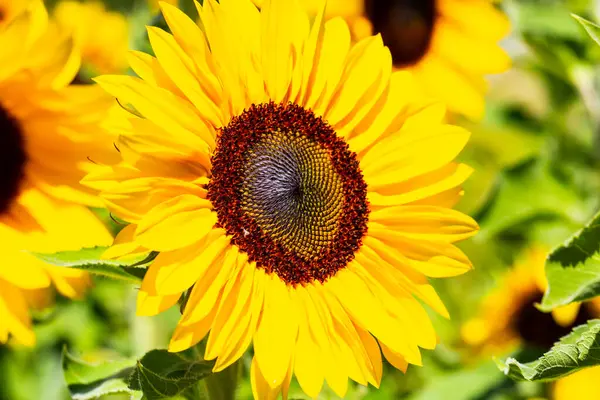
[524, 74]
[448, 45]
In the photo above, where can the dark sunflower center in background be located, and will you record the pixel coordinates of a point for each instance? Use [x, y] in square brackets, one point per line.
[538, 329]
[406, 27]
[289, 192]
[12, 159]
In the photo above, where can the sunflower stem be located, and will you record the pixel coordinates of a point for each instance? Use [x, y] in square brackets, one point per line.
[222, 385]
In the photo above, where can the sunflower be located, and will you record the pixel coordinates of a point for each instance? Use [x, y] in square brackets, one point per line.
[298, 197]
[582, 385]
[102, 35]
[508, 316]
[448, 45]
[46, 128]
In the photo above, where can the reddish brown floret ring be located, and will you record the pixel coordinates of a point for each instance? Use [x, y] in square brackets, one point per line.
[289, 192]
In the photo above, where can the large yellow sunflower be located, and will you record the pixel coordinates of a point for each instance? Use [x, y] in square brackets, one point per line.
[46, 132]
[295, 194]
[102, 35]
[448, 45]
[508, 318]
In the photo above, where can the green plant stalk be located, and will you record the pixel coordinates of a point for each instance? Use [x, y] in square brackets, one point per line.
[222, 385]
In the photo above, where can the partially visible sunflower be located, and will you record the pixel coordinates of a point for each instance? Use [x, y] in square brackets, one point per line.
[102, 35]
[298, 194]
[9, 9]
[153, 4]
[448, 45]
[508, 318]
[46, 131]
[582, 385]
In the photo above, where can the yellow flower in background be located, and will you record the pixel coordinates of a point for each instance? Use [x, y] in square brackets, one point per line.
[46, 132]
[154, 4]
[9, 9]
[582, 385]
[102, 35]
[448, 45]
[508, 316]
[295, 189]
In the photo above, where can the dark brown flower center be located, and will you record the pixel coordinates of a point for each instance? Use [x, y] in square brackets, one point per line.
[289, 192]
[406, 27]
[12, 159]
[538, 329]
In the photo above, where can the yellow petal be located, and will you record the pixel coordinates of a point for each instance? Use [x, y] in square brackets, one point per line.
[448, 178]
[331, 54]
[426, 222]
[260, 387]
[394, 358]
[453, 45]
[14, 315]
[566, 315]
[180, 68]
[176, 271]
[284, 28]
[160, 106]
[193, 42]
[190, 216]
[276, 333]
[481, 18]
[410, 154]
[462, 93]
[148, 305]
[367, 311]
[24, 270]
[209, 286]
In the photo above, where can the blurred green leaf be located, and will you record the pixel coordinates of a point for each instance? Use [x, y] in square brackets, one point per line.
[577, 350]
[550, 20]
[464, 384]
[591, 28]
[160, 374]
[89, 259]
[527, 191]
[93, 380]
[573, 269]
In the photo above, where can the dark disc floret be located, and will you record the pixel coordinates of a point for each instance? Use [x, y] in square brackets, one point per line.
[406, 27]
[289, 192]
[538, 329]
[12, 159]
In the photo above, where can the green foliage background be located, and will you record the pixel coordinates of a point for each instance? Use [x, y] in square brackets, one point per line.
[537, 180]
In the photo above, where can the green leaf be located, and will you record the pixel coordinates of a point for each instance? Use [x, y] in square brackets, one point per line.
[516, 202]
[577, 350]
[579, 247]
[550, 20]
[93, 380]
[465, 384]
[89, 259]
[573, 269]
[160, 374]
[591, 28]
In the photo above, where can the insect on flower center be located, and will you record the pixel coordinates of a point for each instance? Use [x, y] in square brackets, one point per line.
[406, 27]
[289, 192]
[12, 159]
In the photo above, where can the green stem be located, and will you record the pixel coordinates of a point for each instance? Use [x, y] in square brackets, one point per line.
[222, 385]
